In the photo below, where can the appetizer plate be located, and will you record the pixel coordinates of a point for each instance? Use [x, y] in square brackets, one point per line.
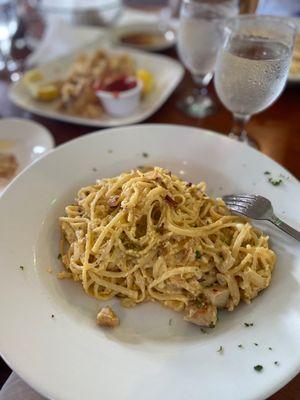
[48, 330]
[167, 75]
[22, 142]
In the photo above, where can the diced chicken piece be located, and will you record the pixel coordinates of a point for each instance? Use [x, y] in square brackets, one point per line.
[106, 317]
[205, 315]
[217, 295]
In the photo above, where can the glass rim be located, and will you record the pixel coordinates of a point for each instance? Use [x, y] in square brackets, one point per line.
[229, 24]
[207, 3]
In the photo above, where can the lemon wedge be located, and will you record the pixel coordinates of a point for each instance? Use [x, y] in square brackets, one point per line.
[33, 76]
[47, 92]
[147, 80]
[37, 86]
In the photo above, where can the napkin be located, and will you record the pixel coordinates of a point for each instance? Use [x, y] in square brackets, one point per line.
[62, 38]
[16, 389]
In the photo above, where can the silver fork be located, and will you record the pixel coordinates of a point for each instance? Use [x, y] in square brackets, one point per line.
[258, 207]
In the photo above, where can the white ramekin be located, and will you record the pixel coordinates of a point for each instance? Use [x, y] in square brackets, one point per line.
[123, 103]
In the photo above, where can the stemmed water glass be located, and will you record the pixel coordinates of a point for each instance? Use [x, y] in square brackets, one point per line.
[200, 34]
[252, 66]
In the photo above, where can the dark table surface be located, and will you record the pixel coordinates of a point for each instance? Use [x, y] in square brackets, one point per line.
[276, 130]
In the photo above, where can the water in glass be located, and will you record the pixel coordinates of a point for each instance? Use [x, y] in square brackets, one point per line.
[251, 73]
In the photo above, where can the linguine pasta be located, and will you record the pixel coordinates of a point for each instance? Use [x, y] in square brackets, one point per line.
[151, 236]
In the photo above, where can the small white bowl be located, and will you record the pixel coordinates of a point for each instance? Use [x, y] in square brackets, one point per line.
[123, 103]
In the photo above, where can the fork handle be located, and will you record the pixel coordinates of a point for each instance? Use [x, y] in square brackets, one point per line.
[285, 227]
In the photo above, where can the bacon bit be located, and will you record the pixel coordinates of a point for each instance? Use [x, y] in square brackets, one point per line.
[171, 201]
[161, 182]
[113, 201]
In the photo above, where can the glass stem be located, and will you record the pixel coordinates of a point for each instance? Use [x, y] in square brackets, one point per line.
[5, 48]
[238, 129]
[201, 81]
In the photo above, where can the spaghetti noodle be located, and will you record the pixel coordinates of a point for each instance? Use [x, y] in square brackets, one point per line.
[151, 236]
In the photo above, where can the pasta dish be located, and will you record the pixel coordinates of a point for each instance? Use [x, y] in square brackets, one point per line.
[148, 235]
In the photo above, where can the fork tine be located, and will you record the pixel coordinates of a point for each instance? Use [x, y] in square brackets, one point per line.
[240, 197]
[240, 210]
[240, 201]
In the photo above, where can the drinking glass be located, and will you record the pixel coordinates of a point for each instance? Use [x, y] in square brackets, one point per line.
[200, 34]
[252, 66]
[8, 27]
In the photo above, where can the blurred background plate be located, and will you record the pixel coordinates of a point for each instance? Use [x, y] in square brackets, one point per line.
[167, 74]
[146, 36]
[21, 143]
[294, 74]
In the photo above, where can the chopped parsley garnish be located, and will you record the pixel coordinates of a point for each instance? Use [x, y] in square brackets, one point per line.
[267, 173]
[258, 368]
[220, 350]
[276, 363]
[240, 346]
[275, 182]
[248, 324]
[21, 267]
[52, 315]
[197, 254]
[255, 344]
[94, 169]
[110, 151]
[59, 256]
[170, 321]
[203, 331]
[145, 155]
[270, 348]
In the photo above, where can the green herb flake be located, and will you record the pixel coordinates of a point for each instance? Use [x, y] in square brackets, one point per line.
[52, 315]
[94, 169]
[203, 331]
[59, 256]
[197, 254]
[255, 344]
[145, 155]
[248, 324]
[170, 321]
[275, 182]
[267, 173]
[109, 151]
[276, 363]
[21, 268]
[270, 348]
[220, 350]
[240, 346]
[258, 368]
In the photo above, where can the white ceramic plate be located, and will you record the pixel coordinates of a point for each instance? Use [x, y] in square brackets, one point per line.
[170, 35]
[167, 74]
[25, 140]
[68, 357]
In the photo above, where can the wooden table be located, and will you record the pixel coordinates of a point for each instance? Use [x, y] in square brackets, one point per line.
[276, 130]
